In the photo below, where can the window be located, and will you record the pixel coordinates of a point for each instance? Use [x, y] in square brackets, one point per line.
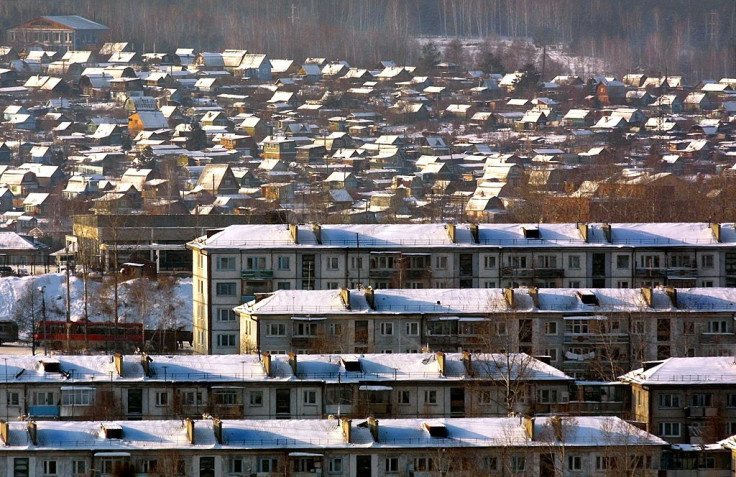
[706, 261]
[49, 467]
[574, 462]
[412, 328]
[423, 464]
[730, 428]
[688, 328]
[236, 465]
[517, 262]
[336, 329]
[622, 262]
[13, 398]
[546, 396]
[305, 329]
[334, 466]
[718, 326]
[333, 263]
[404, 397]
[622, 284]
[162, 398]
[42, 398]
[392, 464]
[226, 398]
[269, 464]
[649, 261]
[669, 401]
[283, 285]
[276, 329]
[256, 398]
[552, 353]
[573, 261]
[148, 466]
[489, 284]
[77, 397]
[284, 263]
[387, 329]
[225, 289]
[225, 314]
[489, 261]
[484, 397]
[79, 467]
[356, 262]
[430, 397]
[332, 286]
[21, 467]
[669, 429]
[226, 341]
[225, 263]
[547, 261]
[573, 284]
[577, 326]
[491, 463]
[731, 400]
[518, 463]
[604, 462]
[339, 395]
[191, 398]
[638, 327]
[441, 262]
[550, 328]
[310, 397]
[255, 263]
[701, 400]
[501, 329]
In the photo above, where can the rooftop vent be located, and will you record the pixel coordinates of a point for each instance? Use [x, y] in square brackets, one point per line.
[588, 298]
[352, 363]
[436, 429]
[531, 233]
[112, 431]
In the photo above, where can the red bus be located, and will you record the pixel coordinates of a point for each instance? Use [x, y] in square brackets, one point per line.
[100, 335]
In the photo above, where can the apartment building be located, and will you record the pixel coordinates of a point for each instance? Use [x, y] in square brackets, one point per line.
[233, 265]
[340, 447]
[686, 400]
[282, 387]
[587, 333]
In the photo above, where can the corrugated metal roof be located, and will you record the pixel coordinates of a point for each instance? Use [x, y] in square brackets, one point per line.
[76, 22]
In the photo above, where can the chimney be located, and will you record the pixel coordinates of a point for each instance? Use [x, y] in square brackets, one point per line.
[468, 363]
[441, 362]
[317, 229]
[347, 430]
[190, 430]
[528, 423]
[583, 228]
[294, 231]
[556, 422]
[474, 233]
[292, 363]
[4, 431]
[672, 293]
[606, 228]
[648, 295]
[370, 297]
[716, 228]
[508, 294]
[145, 363]
[217, 428]
[373, 426]
[345, 296]
[266, 360]
[118, 359]
[33, 432]
[534, 294]
[451, 232]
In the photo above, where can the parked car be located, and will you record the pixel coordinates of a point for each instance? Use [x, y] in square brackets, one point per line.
[22, 272]
[6, 271]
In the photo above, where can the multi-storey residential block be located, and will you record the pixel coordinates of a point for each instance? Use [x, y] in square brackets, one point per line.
[339, 447]
[686, 400]
[233, 265]
[588, 333]
[283, 387]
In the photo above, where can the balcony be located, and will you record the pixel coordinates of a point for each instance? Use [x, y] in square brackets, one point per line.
[256, 274]
[650, 272]
[418, 274]
[510, 272]
[596, 339]
[697, 412]
[43, 411]
[382, 273]
[682, 273]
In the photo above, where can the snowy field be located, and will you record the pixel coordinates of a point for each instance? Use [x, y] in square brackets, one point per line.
[138, 299]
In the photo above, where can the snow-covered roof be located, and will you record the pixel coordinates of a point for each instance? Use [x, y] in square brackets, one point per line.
[686, 371]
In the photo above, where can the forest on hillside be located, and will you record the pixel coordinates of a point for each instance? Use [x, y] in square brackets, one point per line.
[651, 36]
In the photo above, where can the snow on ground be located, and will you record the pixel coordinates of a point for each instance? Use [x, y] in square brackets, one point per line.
[176, 309]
